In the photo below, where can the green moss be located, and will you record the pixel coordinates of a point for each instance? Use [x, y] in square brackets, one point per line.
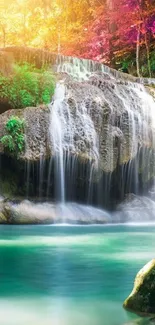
[3, 219]
[142, 298]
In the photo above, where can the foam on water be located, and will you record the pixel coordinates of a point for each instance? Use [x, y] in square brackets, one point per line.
[72, 213]
[134, 210]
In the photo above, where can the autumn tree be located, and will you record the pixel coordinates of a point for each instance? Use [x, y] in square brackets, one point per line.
[109, 31]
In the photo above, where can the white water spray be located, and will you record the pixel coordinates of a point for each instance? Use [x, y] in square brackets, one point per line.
[57, 136]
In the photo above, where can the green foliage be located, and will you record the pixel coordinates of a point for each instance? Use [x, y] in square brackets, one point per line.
[152, 62]
[8, 142]
[125, 64]
[14, 140]
[144, 64]
[128, 63]
[27, 86]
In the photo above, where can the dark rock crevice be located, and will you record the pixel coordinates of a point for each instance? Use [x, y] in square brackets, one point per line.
[37, 180]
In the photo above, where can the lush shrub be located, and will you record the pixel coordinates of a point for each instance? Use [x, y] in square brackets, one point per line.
[27, 86]
[14, 141]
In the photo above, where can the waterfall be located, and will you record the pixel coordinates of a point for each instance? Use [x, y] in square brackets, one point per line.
[83, 68]
[102, 117]
[67, 127]
[57, 129]
[95, 141]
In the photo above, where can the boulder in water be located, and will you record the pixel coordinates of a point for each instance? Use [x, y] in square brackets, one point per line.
[142, 298]
[135, 208]
[4, 212]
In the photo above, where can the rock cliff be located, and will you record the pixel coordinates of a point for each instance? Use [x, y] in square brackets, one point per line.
[104, 119]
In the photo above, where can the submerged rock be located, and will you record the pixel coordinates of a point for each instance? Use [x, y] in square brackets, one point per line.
[142, 298]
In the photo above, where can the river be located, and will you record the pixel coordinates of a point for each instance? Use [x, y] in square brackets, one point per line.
[70, 275]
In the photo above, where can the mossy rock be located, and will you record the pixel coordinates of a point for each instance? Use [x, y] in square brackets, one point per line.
[141, 321]
[142, 298]
[4, 211]
[3, 218]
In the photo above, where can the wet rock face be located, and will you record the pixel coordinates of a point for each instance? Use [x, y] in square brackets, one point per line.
[109, 119]
[142, 299]
[36, 131]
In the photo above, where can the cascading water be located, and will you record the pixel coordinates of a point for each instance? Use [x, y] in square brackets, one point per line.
[99, 132]
[104, 121]
[67, 127]
[57, 138]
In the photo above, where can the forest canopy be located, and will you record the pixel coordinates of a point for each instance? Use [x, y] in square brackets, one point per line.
[120, 33]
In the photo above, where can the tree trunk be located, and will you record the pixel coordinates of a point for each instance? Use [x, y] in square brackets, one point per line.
[137, 51]
[148, 55]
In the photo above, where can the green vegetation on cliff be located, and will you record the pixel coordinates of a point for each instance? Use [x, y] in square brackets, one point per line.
[26, 86]
[14, 141]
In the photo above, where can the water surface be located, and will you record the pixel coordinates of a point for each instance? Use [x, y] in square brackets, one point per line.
[65, 275]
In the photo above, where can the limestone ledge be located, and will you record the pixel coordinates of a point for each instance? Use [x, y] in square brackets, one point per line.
[115, 109]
